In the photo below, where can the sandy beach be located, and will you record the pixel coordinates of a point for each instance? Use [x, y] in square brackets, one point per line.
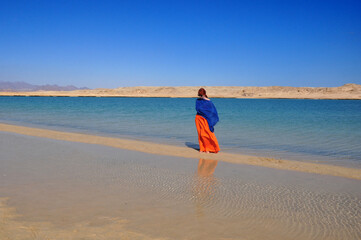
[52, 188]
[347, 91]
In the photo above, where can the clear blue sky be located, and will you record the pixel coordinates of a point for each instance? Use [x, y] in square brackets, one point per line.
[181, 43]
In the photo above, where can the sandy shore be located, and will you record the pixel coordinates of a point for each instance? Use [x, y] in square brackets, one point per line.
[54, 189]
[347, 91]
[169, 150]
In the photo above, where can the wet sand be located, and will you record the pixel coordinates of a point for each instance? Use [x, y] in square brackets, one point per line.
[55, 189]
[186, 152]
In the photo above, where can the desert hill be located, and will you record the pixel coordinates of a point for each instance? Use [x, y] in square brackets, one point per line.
[347, 91]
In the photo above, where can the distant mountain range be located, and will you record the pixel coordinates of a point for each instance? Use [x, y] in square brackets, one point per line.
[27, 87]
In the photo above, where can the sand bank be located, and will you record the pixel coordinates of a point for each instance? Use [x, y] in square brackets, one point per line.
[185, 152]
[347, 91]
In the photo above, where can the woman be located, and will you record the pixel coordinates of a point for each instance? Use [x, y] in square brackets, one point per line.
[206, 119]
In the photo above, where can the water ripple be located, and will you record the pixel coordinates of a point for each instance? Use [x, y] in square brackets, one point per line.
[303, 213]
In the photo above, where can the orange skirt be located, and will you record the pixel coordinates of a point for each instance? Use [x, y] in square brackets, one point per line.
[207, 140]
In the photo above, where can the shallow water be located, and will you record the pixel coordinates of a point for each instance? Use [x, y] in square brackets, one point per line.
[71, 190]
[327, 131]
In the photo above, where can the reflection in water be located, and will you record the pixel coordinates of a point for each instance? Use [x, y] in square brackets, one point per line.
[204, 185]
[206, 167]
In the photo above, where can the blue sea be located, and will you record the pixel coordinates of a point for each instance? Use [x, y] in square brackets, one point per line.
[325, 131]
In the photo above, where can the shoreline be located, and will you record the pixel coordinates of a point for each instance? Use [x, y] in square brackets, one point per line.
[345, 92]
[91, 96]
[185, 152]
[46, 185]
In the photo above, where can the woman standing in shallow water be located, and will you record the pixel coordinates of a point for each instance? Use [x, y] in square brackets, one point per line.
[206, 119]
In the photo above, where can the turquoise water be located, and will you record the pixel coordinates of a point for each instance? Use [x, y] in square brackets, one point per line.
[313, 130]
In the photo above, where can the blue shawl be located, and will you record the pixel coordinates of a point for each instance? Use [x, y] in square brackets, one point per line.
[207, 110]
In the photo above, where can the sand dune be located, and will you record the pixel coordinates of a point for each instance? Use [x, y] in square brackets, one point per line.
[347, 91]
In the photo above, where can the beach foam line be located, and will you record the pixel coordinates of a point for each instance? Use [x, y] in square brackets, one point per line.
[185, 152]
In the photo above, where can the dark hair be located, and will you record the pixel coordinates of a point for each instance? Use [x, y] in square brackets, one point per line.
[202, 92]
